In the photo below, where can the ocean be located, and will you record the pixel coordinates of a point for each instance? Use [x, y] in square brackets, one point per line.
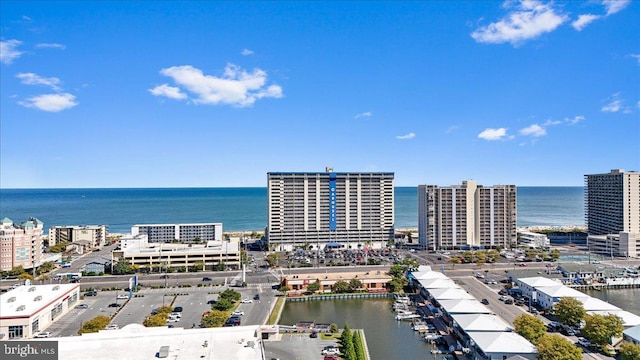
[238, 209]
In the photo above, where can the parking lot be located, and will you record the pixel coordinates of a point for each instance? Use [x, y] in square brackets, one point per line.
[296, 347]
[69, 323]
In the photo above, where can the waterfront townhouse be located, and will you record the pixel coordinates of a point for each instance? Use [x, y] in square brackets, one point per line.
[21, 244]
[93, 235]
[28, 309]
[312, 209]
[196, 232]
[467, 215]
[371, 281]
[612, 212]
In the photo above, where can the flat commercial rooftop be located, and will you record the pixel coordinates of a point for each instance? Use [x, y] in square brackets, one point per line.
[27, 300]
[138, 342]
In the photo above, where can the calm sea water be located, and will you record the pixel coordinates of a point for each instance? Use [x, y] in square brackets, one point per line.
[236, 208]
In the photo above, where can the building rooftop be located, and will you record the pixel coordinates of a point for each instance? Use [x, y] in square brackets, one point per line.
[437, 283]
[560, 291]
[633, 333]
[539, 281]
[481, 322]
[464, 306]
[503, 342]
[595, 304]
[156, 248]
[138, 342]
[362, 275]
[628, 319]
[27, 300]
[186, 224]
[450, 294]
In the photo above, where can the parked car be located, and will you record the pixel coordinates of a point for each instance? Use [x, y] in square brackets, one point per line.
[314, 335]
[43, 334]
[508, 302]
[91, 293]
[206, 279]
[177, 309]
[246, 301]
[112, 327]
[173, 319]
[82, 306]
[123, 296]
[330, 350]
[211, 302]
[503, 292]
[256, 297]
[503, 298]
[238, 313]
[114, 305]
[583, 342]
[485, 301]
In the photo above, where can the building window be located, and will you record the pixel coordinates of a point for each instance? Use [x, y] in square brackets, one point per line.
[35, 325]
[15, 332]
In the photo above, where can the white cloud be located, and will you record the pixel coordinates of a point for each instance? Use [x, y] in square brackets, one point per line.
[50, 46]
[452, 128]
[364, 114]
[584, 20]
[406, 137]
[614, 6]
[246, 52]
[528, 20]
[575, 120]
[534, 130]
[637, 56]
[614, 105]
[51, 102]
[171, 92]
[552, 122]
[235, 87]
[35, 79]
[493, 134]
[9, 51]
[638, 104]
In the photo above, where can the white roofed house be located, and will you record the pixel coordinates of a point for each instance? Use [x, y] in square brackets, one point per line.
[501, 345]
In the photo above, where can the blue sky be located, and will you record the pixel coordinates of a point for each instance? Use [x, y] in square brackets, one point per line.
[217, 94]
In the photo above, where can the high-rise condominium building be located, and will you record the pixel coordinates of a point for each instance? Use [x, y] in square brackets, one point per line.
[612, 211]
[612, 202]
[346, 210]
[20, 244]
[199, 232]
[94, 235]
[466, 215]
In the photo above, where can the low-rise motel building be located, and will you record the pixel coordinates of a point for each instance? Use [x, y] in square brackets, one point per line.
[137, 250]
[372, 281]
[29, 309]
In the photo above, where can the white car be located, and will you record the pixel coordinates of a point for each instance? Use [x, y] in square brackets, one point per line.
[584, 342]
[173, 320]
[330, 350]
[44, 334]
[112, 327]
[238, 312]
[246, 301]
[175, 315]
[123, 296]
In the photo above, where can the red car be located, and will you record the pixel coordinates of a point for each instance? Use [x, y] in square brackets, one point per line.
[331, 357]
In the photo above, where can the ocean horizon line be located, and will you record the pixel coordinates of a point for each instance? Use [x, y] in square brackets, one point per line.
[249, 187]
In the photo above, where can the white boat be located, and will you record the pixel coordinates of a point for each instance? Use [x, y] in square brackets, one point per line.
[431, 337]
[407, 316]
[419, 325]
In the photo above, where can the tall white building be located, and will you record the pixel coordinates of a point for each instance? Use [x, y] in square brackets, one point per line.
[312, 209]
[466, 215]
[94, 235]
[21, 244]
[199, 232]
[612, 210]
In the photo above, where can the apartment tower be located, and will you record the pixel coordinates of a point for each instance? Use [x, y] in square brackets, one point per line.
[344, 210]
[612, 212]
[467, 215]
[20, 244]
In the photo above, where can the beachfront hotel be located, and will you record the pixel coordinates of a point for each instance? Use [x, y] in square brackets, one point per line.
[345, 210]
[612, 211]
[199, 232]
[94, 236]
[467, 215]
[21, 244]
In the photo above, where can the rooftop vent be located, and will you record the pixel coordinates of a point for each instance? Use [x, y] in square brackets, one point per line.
[21, 308]
[37, 298]
[32, 289]
[12, 299]
[57, 287]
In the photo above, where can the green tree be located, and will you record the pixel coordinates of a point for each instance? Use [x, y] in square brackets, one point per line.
[569, 311]
[25, 276]
[554, 347]
[530, 327]
[397, 271]
[600, 328]
[453, 261]
[355, 284]
[397, 285]
[159, 319]
[358, 346]
[122, 267]
[346, 339]
[555, 254]
[222, 305]
[221, 266]
[314, 286]
[273, 259]
[340, 286]
[94, 325]
[333, 328]
[230, 295]
[629, 351]
[46, 267]
[16, 270]
[284, 289]
[214, 318]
